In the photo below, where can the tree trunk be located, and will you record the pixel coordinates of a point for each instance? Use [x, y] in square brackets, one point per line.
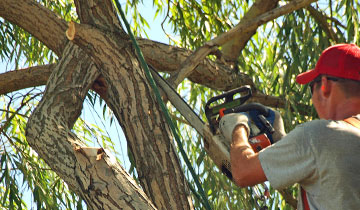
[133, 103]
[90, 172]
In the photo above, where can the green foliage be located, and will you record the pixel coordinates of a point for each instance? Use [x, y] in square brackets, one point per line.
[273, 57]
[137, 21]
[63, 8]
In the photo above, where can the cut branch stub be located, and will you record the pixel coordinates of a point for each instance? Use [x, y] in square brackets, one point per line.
[71, 31]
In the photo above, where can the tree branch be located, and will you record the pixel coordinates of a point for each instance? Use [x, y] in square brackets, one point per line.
[37, 76]
[24, 78]
[215, 75]
[43, 24]
[50, 29]
[200, 54]
[288, 197]
[231, 49]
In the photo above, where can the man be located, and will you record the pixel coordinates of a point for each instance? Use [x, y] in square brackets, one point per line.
[323, 156]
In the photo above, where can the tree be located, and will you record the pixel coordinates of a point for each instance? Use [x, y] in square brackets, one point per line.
[74, 48]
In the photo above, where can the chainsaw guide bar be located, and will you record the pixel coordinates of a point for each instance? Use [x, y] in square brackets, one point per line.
[216, 146]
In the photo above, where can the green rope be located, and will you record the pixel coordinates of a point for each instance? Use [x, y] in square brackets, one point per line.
[164, 109]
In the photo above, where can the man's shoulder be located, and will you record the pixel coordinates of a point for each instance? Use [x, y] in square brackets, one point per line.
[317, 132]
[322, 124]
[310, 127]
[330, 136]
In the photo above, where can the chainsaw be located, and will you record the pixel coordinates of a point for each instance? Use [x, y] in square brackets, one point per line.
[233, 101]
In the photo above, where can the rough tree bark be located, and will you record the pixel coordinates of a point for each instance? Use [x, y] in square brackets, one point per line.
[49, 29]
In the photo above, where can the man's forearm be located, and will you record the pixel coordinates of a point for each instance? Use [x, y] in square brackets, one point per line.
[245, 165]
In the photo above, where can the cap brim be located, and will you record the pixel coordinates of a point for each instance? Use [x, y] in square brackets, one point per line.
[307, 77]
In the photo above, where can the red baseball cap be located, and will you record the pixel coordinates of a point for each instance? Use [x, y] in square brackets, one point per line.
[341, 60]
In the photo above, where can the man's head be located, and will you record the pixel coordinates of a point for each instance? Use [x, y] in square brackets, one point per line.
[342, 60]
[337, 73]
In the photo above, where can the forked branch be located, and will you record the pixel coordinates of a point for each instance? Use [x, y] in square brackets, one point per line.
[200, 54]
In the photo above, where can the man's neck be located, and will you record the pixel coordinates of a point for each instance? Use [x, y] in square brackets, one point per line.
[346, 109]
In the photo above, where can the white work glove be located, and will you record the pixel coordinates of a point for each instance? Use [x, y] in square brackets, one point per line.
[278, 127]
[229, 121]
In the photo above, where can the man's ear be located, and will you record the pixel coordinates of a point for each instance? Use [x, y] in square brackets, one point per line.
[325, 87]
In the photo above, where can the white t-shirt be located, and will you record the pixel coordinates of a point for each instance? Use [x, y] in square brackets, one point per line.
[323, 156]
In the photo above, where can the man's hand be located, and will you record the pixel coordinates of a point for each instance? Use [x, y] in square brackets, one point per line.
[274, 118]
[230, 121]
